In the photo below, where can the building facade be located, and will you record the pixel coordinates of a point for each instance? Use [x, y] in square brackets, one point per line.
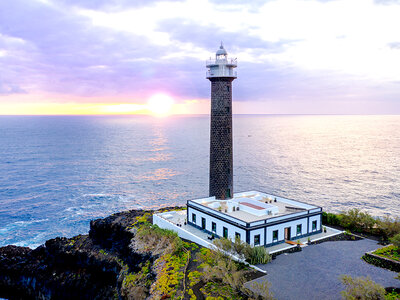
[256, 218]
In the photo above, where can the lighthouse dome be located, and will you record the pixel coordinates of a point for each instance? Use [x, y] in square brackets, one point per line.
[221, 51]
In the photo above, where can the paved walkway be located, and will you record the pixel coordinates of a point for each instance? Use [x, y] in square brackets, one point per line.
[314, 272]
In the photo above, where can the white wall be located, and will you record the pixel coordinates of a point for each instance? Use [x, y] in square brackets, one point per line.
[220, 224]
[318, 219]
[281, 229]
[253, 233]
[162, 223]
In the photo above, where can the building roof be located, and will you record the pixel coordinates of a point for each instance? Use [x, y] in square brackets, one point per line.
[255, 206]
[221, 51]
[252, 205]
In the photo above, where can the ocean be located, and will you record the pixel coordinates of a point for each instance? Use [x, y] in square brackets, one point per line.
[59, 172]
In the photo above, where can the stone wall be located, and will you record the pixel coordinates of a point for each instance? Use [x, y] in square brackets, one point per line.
[221, 149]
[381, 262]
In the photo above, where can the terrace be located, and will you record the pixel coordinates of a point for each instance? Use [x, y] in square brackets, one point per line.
[255, 206]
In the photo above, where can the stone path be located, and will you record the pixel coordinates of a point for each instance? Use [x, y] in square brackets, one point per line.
[314, 272]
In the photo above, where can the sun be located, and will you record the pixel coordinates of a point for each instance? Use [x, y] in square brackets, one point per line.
[160, 104]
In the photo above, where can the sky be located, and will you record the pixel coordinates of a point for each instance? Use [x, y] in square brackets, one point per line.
[132, 56]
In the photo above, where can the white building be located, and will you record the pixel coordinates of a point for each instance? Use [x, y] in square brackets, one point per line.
[256, 218]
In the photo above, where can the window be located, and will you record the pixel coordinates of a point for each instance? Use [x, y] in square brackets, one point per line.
[237, 235]
[257, 240]
[213, 227]
[274, 235]
[194, 218]
[314, 225]
[227, 88]
[203, 223]
[225, 232]
[298, 231]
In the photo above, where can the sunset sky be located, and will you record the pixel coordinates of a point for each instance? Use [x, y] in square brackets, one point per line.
[127, 56]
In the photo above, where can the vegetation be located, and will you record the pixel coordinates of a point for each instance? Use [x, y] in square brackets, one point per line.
[253, 255]
[396, 241]
[356, 220]
[362, 222]
[263, 290]
[361, 288]
[392, 296]
[136, 285]
[153, 238]
[182, 269]
[223, 277]
[391, 252]
[388, 227]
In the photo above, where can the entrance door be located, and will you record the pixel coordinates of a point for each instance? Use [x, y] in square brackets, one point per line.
[287, 233]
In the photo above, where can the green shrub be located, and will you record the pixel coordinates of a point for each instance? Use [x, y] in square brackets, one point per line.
[239, 246]
[396, 240]
[356, 220]
[260, 290]
[392, 296]
[224, 244]
[152, 237]
[388, 227]
[362, 288]
[258, 255]
[330, 219]
[253, 255]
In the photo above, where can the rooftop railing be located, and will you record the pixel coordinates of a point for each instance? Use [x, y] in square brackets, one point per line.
[230, 62]
[221, 73]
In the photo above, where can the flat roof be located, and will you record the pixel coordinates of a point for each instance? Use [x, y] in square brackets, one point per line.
[273, 205]
[252, 205]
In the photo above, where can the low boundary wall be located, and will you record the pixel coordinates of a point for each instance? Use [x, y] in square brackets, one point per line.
[381, 262]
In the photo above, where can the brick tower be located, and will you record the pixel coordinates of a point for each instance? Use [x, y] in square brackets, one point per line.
[221, 73]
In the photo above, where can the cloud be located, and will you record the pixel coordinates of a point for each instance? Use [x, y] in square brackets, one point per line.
[286, 49]
[110, 5]
[208, 36]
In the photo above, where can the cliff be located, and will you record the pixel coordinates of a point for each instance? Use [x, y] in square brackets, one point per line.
[124, 256]
[84, 267]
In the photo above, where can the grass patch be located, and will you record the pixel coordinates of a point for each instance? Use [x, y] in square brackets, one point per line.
[390, 252]
[170, 278]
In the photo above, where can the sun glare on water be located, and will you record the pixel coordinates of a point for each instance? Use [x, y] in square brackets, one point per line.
[160, 104]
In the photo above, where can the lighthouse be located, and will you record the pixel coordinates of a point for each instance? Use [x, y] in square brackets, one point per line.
[254, 217]
[221, 73]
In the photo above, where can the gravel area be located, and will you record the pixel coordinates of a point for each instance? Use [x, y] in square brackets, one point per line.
[314, 272]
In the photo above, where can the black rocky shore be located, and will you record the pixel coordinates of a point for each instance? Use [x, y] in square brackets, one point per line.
[82, 267]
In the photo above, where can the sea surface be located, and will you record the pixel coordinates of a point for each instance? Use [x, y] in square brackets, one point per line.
[59, 172]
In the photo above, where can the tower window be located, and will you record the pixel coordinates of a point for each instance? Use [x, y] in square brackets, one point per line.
[228, 109]
[227, 88]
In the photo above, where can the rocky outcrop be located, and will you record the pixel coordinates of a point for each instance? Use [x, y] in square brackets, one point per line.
[84, 267]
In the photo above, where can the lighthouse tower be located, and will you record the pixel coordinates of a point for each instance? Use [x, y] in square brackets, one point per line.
[221, 73]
